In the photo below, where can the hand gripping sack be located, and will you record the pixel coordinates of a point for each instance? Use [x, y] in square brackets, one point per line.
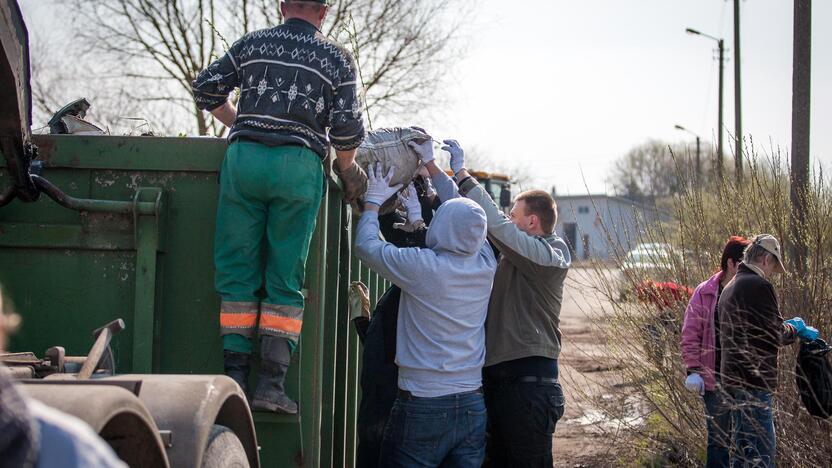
[389, 147]
[814, 378]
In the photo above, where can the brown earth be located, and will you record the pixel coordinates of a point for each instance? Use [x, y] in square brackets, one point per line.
[584, 438]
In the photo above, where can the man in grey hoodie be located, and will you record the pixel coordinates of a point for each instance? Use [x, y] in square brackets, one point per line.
[520, 377]
[439, 416]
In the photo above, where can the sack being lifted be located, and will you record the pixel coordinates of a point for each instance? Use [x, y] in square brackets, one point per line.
[388, 146]
[814, 378]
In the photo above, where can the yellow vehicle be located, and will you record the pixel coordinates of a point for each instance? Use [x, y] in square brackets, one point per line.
[497, 185]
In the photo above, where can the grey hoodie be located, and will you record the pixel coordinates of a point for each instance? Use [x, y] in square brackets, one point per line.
[445, 289]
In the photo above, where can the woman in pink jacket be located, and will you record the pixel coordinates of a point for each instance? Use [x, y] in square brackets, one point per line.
[701, 352]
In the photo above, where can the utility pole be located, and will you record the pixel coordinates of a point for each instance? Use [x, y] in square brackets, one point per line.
[698, 161]
[698, 164]
[737, 92]
[719, 126]
[801, 81]
[719, 129]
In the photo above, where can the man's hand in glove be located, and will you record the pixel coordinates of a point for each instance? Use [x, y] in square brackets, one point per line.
[378, 187]
[694, 383]
[410, 200]
[805, 332]
[354, 180]
[457, 155]
[423, 150]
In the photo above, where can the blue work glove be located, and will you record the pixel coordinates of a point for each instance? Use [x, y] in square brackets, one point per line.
[423, 150]
[803, 331]
[410, 200]
[457, 155]
[378, 186]
[694, 383]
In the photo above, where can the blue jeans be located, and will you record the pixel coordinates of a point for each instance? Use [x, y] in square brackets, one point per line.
[446, 431]
[718, 420]
[753, 435]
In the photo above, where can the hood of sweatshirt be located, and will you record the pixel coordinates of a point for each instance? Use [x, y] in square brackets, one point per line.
[458, 227]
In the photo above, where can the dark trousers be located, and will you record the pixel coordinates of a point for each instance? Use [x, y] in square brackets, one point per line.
[379, 378]
[718, 421]
[524, 402]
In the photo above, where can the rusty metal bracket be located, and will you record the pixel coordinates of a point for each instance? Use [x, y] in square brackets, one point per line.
[102, 343]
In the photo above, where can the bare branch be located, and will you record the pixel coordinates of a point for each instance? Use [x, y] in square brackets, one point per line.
[147, 46]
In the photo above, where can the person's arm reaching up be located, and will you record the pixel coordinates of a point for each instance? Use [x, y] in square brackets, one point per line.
[445, 187]
[509, 238]
[392, 263]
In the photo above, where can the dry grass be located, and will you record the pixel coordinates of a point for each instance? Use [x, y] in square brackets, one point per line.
[666, 420]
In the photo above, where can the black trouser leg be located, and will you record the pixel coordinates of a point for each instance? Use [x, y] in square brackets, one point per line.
[522, 413]
[379, 377]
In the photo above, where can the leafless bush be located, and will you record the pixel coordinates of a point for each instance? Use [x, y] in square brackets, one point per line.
[644, 335]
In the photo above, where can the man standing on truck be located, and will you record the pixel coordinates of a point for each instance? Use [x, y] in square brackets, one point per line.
[520, 377]
[298, 96]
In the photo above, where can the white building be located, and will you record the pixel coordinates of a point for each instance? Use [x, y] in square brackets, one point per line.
[594, 225]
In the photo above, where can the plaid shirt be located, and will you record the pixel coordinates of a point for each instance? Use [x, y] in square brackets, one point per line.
[297, 87]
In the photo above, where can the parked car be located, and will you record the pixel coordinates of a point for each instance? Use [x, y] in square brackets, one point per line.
[647, 262]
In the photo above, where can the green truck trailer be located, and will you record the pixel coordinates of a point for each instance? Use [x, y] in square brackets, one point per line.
[94, 229]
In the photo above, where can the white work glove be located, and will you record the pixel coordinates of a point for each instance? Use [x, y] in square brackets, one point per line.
[424, 150]
[378, 186]
[457, 155]
[410, 200]
[694, 383]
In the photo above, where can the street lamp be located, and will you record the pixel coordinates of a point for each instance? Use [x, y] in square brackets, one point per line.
[721, 46]
[698, 161]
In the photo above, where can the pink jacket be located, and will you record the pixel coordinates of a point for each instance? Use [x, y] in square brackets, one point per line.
[698, 342]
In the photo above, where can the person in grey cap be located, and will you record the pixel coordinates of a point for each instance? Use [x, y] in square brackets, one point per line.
[751, 333]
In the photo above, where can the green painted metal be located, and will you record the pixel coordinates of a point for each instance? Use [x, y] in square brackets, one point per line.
[139, 247]
[144, 309]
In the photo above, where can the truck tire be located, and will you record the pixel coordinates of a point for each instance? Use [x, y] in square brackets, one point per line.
[224, 450]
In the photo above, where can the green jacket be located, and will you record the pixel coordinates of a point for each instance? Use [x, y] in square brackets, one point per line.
[524, 309]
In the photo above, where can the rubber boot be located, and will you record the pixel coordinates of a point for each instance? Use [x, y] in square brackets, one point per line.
[274, 364]
[237, 366]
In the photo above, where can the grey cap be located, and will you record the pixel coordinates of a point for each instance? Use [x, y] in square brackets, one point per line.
[771, 245]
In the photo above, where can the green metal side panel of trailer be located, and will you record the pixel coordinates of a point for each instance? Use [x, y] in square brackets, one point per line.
[151, 263]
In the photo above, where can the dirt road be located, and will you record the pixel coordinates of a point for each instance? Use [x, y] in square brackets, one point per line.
[584, 438]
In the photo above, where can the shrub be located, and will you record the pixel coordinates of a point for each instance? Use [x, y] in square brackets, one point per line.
[644, 335]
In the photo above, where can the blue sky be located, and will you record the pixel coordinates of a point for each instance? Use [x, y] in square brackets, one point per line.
[566, 87]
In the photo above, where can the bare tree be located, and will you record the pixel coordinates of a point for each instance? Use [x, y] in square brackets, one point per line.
[652, 170]
[57, 81]
[153, 50]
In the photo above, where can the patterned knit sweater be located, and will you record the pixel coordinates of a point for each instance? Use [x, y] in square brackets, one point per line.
[297, 87]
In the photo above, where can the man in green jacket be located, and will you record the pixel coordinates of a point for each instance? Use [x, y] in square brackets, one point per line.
[298, 97]
[520, 377]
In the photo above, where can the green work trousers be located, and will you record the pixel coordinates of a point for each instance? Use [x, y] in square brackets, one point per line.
[268, 206]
